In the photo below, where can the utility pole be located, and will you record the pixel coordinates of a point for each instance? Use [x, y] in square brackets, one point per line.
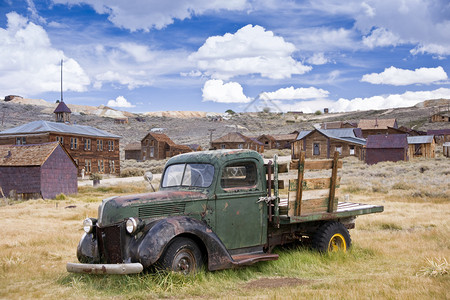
[210, 137]
[62, 81]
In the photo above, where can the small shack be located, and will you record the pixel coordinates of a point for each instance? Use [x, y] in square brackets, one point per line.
[421, 146]
[236, 140]
[446, 149]
[440, 135]
[392, 147]
[37, 171]
[378, 126]
[133, 151]
[278, 141]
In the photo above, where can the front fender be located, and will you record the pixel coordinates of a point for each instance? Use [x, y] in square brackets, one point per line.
[87, 250]
[154, 241]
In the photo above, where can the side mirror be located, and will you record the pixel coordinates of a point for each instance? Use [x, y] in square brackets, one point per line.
[148, 176]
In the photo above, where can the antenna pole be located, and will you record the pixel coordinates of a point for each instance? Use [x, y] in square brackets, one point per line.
[62, 81]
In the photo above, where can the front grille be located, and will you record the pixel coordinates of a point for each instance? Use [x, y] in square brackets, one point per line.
[163, 209]
[109, 243]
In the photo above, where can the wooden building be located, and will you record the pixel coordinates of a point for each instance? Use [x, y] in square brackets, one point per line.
[278, 141]
[322, 143]
[440, 135]
[337, 125]
[133, 151]
[94, 150]
[236, 140]
[421, 146]
[37, 171]
[446, 149]
[440, 117]
[160, 146]
[392, 147]
[377, 126]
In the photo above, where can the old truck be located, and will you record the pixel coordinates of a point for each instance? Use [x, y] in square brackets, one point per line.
[217, 209]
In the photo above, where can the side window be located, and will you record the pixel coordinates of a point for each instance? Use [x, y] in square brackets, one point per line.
[243, 174]
[316, 149]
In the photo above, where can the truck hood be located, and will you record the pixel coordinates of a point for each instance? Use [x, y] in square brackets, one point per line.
[161, 203]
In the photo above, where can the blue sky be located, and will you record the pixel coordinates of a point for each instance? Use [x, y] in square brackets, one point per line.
[211, 55]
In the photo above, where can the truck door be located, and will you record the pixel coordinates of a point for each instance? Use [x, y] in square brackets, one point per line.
[240, 220]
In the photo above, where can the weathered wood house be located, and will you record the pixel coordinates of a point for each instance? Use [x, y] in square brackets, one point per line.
[160, 146]
[337, 125]
[37, 171]
[133, 151]
[322, 143]
[446, 149]
[94, 150]
[421, 146]
[236, 140]
[440, 135]
[440, 117]
[277, 141]
[378, 126]
[391, 147]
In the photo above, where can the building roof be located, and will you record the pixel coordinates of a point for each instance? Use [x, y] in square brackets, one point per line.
[390, 141]
[420, 139]
[285, 137]
[133, 146]
[438, 132]
[377, 123]
[54, 127]
[185, 148]
[343, 134]
[331, 125]
[160, 137]
[62, 108]
[236, 137]
[27, 155]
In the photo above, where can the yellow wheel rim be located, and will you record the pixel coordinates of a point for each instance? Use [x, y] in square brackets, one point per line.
[337, 243]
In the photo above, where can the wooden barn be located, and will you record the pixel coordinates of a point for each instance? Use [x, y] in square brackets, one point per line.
[160, 146]
[133, 151]
[378, 126]
[94, 150]
[391, 147]
[277, 141]
[440, 135]
[236, 140]
[322, 143]
[37, 171]
[421, 146]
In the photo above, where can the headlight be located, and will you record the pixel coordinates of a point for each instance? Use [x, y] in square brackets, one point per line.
[132, 225]
[88, 225]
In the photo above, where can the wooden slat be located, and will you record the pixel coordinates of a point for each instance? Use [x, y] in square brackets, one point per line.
[280, 184]
[309, 206]
[331, 204]
[282, 168]
[313, 183]
[315, 164]
[310, 194]
[300, 173]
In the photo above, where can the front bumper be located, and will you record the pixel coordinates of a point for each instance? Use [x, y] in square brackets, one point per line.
[130, 268]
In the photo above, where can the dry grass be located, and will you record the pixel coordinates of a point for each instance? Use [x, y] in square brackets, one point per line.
[401, 253]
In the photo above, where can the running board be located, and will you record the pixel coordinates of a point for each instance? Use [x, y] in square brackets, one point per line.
[248, 259]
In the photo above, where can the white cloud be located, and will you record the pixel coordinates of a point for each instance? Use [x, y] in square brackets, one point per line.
[317, 59]
[291, 93]
[324, 39]
[29, 63]
[218, 91]
[251, 50]
[120, 102]
[396, 76]
[381, 37]
[148, 14]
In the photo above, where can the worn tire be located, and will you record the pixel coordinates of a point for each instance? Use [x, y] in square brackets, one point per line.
[181, 255]
[332, 237]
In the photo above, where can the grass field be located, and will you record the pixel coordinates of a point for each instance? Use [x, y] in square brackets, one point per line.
[402, 253]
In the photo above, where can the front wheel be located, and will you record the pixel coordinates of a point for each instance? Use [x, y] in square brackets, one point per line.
[183, 256]
[332, 237]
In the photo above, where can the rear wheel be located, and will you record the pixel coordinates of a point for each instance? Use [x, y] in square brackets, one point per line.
[332, 237]
[182, 255]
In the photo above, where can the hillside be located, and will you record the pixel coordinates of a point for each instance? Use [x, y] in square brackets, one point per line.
[192, 127]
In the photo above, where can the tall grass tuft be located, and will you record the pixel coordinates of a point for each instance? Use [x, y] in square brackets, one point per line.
[435, 267]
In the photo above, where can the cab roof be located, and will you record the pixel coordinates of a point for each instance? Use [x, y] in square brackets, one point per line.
[214, 156]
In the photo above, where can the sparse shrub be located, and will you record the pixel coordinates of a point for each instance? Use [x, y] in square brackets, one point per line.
[390, 226]
[402, 186]
[318, 113]
[61, 197]
[436, 267]
[132, 172]
[95, 176]
[378, 187]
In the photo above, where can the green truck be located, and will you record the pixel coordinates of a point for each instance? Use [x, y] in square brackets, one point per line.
[218, 209]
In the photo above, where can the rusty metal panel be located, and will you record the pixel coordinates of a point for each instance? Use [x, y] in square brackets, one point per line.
[110, 244]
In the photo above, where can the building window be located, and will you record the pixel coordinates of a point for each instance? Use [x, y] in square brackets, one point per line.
[101, 167]
[21, 140]
[316, 149]
[352, 150]
[110, 145]
[152, 151]
[112, 167]
[99, 145]
[417, 149]
[60, 139]
[87, 144]
[73, 143]
[339, 149]
[222, 146]
[241, 146]
[87, 166]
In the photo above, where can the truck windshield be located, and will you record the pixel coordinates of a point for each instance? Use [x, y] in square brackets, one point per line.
[190, 175]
